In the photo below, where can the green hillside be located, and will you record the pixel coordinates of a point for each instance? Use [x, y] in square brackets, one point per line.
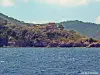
[85, 28]
[11, 20]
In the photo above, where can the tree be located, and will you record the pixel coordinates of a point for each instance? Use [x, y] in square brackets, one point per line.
[60, 26]
[3, 22]
[91, 40]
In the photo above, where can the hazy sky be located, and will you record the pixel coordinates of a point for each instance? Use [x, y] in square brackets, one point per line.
[41, 11]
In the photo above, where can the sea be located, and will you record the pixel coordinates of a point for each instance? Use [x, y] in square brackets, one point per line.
[49, 61]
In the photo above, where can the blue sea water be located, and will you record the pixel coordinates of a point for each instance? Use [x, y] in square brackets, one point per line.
[49, 61]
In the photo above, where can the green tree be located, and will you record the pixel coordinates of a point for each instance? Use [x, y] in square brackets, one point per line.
[60, 26]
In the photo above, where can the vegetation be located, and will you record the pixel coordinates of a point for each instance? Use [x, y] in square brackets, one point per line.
[91, 30]
[45, 35]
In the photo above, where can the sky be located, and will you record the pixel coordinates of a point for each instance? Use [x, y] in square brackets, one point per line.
[42, 11]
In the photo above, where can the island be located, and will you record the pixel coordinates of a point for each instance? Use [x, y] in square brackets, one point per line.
[42, 35]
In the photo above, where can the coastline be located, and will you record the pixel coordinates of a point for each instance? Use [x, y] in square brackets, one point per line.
[45, 35]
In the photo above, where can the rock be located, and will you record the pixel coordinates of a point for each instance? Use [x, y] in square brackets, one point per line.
[53, 44]
[77, 44]
[40, 44]
[62, 45]
[94, 45]
[3, 42]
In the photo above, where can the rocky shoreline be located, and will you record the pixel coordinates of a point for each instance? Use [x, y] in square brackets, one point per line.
[86, 43]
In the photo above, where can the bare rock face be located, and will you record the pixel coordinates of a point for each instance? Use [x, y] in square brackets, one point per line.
[3, 22]
[62, 44]
[40, 44]
[53, 44]
[94, 45]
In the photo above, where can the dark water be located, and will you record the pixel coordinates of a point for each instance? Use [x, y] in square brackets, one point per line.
[49, 61]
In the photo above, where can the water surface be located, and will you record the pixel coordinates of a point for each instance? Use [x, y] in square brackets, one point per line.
[49, 61]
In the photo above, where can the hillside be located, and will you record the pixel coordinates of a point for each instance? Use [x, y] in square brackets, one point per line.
[11, 20]
[15, 33]
[49, 35]
[85, 28]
